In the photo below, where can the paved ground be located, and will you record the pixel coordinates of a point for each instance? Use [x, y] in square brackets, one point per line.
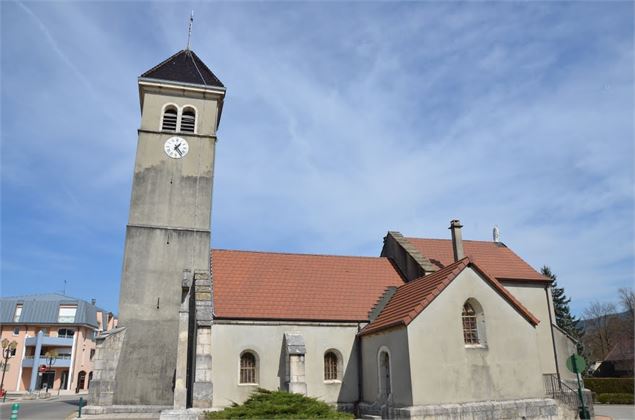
[52, 409]
[60, 408]
[616, 412]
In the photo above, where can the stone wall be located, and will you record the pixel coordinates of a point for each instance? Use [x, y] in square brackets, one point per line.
[512, 409]
[106, 359]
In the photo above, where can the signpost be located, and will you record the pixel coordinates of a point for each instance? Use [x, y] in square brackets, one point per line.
[576, 364]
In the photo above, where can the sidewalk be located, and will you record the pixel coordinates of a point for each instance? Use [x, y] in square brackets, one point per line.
[39, 395]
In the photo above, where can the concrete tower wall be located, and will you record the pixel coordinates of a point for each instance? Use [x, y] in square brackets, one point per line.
[168, 232]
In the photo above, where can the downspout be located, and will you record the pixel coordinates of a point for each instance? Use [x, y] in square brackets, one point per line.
[360, 373]
[553, 339]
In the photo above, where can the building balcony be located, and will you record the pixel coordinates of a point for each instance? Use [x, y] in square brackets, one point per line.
[51, 341]
[61, 361]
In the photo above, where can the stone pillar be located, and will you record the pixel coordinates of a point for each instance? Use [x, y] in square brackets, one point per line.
[296, 350]
[202, 387]
[180, 379]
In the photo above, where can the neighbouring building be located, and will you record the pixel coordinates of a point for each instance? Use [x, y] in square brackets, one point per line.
[51, 325]
[429, 322]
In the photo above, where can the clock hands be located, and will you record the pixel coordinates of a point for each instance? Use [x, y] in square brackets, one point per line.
[176, 148]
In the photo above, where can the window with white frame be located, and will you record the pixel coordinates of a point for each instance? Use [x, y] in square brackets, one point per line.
[473, 321]
[65, 332]
[67, 313]
[18, 312]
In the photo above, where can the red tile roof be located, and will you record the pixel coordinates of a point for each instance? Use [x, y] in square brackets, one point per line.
[266, 285]
[412, 298]
[500, 261]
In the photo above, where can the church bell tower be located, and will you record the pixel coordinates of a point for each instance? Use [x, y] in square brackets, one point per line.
[168, 232]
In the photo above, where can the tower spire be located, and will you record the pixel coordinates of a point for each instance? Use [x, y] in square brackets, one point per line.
[189, 32]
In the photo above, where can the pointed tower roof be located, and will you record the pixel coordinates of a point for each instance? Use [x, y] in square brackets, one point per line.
[184, 67]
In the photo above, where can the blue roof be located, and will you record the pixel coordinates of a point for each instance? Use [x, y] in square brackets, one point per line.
[44, 309]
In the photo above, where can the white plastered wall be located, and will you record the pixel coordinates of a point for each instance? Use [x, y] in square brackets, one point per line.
[444, 370]
[266, 340]
[533, 297]
[396, 343]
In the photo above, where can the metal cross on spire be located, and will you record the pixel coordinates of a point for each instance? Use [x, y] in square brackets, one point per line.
[189, 32]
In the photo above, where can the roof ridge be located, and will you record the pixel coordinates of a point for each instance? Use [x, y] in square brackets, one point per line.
[450, 240]
[299, 254]
[41, 295]
[191, 54]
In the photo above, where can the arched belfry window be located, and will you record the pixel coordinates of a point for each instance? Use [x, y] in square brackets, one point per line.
[248, 368]
[188, 120]
[473, 323]
[170, 115]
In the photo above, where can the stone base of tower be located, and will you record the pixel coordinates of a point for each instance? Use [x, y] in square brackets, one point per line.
[194, 338]
[106, 360]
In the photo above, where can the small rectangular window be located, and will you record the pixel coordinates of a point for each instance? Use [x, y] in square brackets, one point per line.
[67, 314]
[16, 331]
[18, 313]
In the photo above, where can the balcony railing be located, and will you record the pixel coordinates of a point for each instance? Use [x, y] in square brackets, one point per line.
[58, 357]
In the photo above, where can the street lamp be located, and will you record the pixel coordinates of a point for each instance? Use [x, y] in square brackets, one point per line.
[7, 349]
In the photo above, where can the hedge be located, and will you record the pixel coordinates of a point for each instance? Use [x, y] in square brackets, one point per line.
[263, 404]
[610, 385]
[616, 398]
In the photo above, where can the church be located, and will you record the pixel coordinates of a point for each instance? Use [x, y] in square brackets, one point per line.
[431, 328]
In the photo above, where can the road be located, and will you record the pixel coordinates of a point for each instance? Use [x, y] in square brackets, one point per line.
[616, 412]
[53, 409]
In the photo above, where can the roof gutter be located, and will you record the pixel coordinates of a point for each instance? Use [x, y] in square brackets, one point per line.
[194, 87]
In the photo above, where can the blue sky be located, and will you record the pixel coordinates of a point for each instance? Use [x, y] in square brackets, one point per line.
[342, 121]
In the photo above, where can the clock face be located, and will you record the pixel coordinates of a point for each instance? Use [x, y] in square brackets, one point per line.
[176, 147]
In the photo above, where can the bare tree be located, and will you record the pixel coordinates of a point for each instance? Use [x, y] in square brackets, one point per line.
[602, 329]
[627, 300]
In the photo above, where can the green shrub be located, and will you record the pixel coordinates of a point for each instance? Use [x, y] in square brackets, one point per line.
[616, 398]
[610, 385]
[264, 404]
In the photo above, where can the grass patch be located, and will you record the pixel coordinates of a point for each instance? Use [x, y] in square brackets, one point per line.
[264, 404]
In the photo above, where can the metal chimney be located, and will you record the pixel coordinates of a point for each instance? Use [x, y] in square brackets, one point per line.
[457, 239]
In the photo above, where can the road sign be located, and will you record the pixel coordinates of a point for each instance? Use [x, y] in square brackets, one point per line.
[576, 363]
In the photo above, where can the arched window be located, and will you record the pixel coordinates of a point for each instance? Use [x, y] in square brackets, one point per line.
[188, 120]
[470, 329]
[248, 368]
[169, 118]
[473, 323]
[331, 366]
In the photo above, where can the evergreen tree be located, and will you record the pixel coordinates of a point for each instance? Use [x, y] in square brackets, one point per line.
[564, 319]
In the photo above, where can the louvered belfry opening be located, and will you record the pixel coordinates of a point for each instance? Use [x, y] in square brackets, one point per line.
[169, 119]
[188, 120]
